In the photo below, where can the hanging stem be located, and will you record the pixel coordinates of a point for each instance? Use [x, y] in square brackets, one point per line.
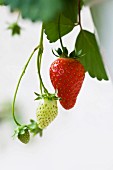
[79, 13]
[60, 34]
[18, 17]
[39, 58]
[41, 88]
[15, 94]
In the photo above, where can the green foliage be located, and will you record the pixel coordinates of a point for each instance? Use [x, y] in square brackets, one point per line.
[23, 131]
[68, 20]
[34, 129]
[92, 60]
[48, 11]
[70, 10]
[36, 9]
[15, 29]
[51, 28]
[1, 2]
[44, 9]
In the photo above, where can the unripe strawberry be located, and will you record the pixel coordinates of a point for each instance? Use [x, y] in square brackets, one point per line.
[24, 137]
[46, 112]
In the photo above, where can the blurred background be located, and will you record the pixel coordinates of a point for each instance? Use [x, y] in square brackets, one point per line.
[81, 138]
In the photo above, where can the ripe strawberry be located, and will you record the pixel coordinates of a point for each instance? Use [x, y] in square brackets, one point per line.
[24, 136]
[46, 112]
[67, 75]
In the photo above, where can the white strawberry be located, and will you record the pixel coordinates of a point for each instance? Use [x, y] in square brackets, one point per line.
[46, 112]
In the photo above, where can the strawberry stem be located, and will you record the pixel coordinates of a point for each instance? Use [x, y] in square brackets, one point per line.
[60, 34]
[18, 17]
[39, 58]
[17, 87]
[79, 14]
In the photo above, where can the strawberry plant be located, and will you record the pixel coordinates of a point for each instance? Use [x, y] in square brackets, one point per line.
[46, 111]
[67, 73]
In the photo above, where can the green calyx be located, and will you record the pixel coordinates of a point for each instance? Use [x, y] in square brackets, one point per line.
[76, 54]
[48, 96]
[64, 53]
[23, 131]
[34, 129]
[61, 53]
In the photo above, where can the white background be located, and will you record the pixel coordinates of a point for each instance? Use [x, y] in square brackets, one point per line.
[81, 138]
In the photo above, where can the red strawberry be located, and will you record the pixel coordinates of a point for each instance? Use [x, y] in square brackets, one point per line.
[67, 75]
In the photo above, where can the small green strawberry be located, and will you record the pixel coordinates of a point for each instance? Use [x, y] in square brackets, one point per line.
[24, 136]
[46, 112]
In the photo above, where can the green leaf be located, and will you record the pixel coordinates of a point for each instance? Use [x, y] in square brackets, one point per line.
[15, 29]
[92, 60]
[1, 2]
[36, 9]
[44, 9]
[68, 20]
[70, 10]
[33, 127]
[51, 28]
